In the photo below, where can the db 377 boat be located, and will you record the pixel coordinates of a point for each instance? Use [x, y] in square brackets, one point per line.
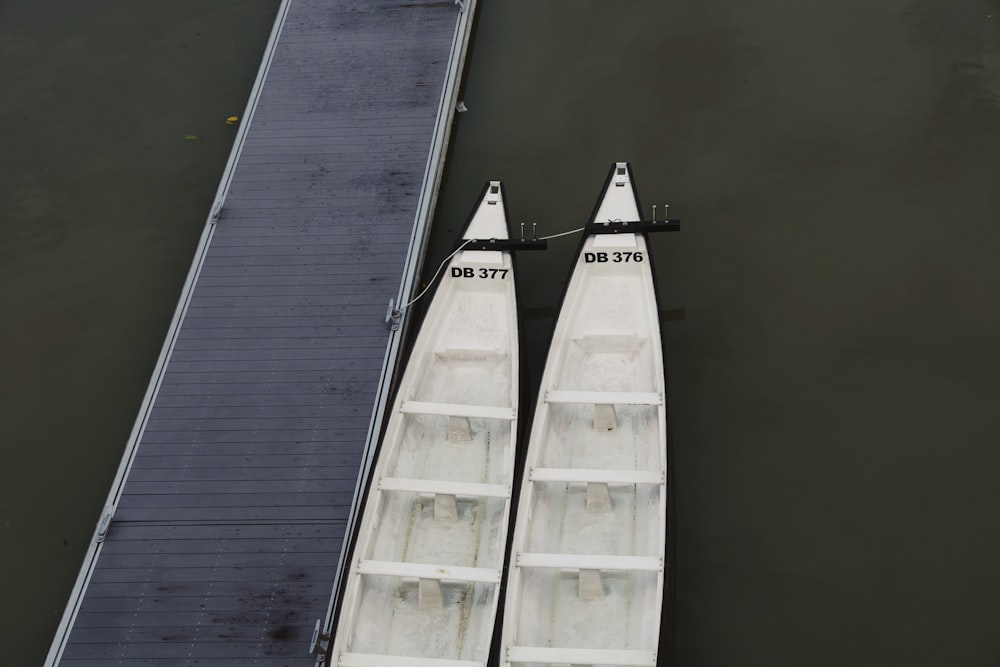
[423, 582]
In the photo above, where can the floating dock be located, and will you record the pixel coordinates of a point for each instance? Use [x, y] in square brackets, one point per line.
[222, 539]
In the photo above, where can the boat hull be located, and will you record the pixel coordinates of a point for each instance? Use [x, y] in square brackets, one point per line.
[586, 581]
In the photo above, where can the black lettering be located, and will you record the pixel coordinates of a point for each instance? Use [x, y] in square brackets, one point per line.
[589, 257]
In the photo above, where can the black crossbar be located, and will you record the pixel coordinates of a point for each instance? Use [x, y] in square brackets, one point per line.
[637, 227]
[502, 244]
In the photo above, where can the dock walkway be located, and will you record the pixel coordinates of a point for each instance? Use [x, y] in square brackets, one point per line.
[226, 523]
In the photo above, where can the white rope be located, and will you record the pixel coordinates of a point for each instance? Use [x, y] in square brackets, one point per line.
[436, 274]
[457, 250]
[555, 236]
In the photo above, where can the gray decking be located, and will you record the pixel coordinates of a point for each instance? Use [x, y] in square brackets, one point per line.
[227, 531]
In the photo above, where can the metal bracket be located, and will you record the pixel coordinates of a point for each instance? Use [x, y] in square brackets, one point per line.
[393, 315]
[319, 641]
[104, 524]
[461, 5]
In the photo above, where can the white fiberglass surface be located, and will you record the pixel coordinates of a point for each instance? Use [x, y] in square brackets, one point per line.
[469, 362]
[608, 336]
[456, 631]
[465, 354]
[632, 445]
[626, 617]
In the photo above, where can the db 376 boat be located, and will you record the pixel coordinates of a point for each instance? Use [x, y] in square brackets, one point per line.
[586, 577]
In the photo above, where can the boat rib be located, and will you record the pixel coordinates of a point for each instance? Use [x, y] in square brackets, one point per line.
[425, 573]
[586, 579]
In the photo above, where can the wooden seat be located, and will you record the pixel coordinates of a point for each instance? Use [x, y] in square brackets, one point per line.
[581, 656]
[457, 410]
[598, 481]
[604, 403]
[605, 397]
[428, 571]
[590, 585]
[590, 562]
[429, 577]
[434, 486]
[445, 492]
[596, 476]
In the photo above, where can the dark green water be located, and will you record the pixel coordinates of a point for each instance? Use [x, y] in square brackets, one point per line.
[102, 201]
[833, 382]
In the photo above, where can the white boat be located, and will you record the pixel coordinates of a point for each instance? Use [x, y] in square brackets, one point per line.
[586, 578]
[424, 578]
